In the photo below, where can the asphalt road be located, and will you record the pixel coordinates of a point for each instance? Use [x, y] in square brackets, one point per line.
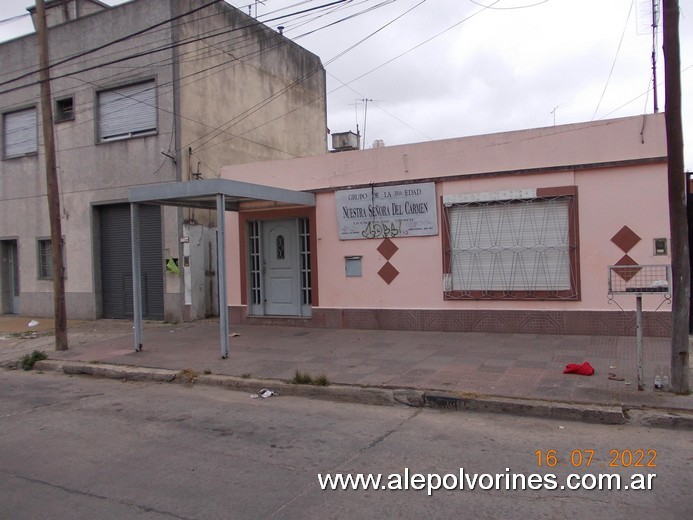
[80, 448]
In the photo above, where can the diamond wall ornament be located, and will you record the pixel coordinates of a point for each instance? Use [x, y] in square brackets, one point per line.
[387, 248]
[628, 268]
[625, 239]
[388, 272]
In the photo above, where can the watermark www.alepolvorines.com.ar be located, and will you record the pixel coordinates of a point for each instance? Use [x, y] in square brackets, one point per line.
[465, 481]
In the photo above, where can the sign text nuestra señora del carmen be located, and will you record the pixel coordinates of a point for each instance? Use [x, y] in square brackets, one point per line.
[406, 210]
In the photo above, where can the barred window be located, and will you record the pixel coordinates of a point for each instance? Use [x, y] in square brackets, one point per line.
[515, 248]
[45, 260]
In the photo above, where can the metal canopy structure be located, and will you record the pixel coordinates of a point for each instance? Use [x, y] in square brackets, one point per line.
[217, 194]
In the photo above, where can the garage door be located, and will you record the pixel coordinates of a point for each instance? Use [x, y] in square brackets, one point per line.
[116, 262]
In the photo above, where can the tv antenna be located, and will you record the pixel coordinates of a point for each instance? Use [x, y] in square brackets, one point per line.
[365, 118]
[648, 13]
[250, 7]
[655, 24]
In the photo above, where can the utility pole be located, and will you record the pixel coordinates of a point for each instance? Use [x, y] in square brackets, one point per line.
[51, 181]
[678, 189]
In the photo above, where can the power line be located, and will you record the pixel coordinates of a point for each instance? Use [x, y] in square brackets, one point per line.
[618, 50]
[152, 51]
[638, 96]
[13, 18]
[237, 119]
[512, 8]
[262, 104]
[163, 29]
[418, 45]
[113, 42]
[198, 72]
[361, 96]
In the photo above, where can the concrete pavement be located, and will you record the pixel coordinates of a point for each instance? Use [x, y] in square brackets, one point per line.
[517, 373]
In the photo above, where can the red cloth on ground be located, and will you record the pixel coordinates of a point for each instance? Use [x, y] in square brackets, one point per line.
[584, 370]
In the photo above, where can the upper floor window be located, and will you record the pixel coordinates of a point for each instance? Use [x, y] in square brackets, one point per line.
[64, 110]
[20, 135]
[128, 111]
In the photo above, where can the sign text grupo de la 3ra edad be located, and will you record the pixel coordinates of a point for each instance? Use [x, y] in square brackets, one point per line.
[406, 210]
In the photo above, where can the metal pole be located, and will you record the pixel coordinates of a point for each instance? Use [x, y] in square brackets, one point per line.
[638, 332]
[221, 274]
[136, 276]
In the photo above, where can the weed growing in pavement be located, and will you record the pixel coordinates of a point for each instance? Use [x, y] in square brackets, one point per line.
[29, 360]
[246, 375]
[321, 380]
[304, 378]
[301, 379]
[187, 376]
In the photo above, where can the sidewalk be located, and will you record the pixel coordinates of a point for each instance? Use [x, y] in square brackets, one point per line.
[517, 366]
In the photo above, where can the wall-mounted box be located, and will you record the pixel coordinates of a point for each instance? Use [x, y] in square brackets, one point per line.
[352, 266]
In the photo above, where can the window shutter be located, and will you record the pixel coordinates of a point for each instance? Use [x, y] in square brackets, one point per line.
[20, 134]
[127, 111]
[508, 247]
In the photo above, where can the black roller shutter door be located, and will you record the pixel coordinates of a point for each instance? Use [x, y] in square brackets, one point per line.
[116, 262]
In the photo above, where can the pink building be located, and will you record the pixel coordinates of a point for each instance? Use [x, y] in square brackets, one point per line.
[509, 232]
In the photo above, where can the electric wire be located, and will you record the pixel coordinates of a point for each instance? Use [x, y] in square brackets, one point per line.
[222, 64]
[331, 60]
[145, 53]
[262, 104]
[613, 64]
[415, 46]
[13, 18]
[508, 8]
[661, 83]
[235, 136]
[112, 42]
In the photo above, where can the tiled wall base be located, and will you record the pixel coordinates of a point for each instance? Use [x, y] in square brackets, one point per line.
[657, 324]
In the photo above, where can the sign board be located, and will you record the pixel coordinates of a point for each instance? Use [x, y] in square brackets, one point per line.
[405, 210]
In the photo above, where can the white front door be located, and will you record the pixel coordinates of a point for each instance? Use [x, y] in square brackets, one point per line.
[281, 268]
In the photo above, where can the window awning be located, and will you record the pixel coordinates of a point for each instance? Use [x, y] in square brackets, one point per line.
[217, 194]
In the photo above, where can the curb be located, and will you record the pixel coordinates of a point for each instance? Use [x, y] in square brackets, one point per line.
[598, 414]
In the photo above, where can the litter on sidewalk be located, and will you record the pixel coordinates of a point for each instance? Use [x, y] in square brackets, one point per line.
[584, 370]
[264, 394]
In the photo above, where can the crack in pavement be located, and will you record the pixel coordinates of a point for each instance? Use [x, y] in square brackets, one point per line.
[143, 508]
[354, 455]
[36, 408]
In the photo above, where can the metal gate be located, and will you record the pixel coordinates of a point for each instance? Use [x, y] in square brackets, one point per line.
[116, 262]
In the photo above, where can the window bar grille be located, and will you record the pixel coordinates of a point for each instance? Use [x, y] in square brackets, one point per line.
[254, 256]
[522, 264]
[304, 239]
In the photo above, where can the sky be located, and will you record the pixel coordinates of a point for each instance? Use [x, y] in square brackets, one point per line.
[408, 71]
